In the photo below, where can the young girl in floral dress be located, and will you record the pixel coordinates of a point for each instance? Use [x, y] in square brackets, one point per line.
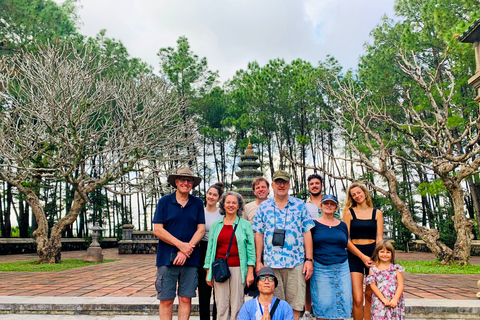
[386, 281]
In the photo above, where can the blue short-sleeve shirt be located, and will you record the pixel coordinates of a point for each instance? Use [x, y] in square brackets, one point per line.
[251, 310]
[180, 222]
[295, 220]
[330, 243]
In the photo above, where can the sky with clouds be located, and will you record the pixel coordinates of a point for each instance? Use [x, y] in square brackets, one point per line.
[231, 33]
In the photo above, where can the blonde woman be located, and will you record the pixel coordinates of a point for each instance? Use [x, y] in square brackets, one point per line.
[365, 227]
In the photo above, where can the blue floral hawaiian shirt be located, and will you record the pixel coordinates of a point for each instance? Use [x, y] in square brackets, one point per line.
[295, 220]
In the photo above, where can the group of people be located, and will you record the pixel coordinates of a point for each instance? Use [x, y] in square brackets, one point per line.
[293, 255]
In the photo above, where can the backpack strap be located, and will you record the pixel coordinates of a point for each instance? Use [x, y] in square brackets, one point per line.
[274, 307]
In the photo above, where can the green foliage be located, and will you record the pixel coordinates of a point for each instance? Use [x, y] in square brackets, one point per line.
[15, 232]
[412, 95]
[433, 188]
[437, 268]
[444, 213]
[455, 121]
[185, 70]
[114, 53]
[279, 106]
[34, 266]
[393, 221]
[26, 22]
[448, 235]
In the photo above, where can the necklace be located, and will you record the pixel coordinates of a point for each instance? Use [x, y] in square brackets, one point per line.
[328, 222]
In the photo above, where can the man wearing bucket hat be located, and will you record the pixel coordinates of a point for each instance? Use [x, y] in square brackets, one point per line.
[179, 224]
[283, 236]
[261, 307]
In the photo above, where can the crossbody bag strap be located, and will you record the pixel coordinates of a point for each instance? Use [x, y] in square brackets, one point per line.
[274, 307]
[230, 244]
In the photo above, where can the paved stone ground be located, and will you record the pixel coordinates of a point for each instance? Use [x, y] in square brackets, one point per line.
[133, 276]
[79, 317]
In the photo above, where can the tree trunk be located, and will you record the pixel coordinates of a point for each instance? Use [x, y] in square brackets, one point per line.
[430, 236]
[24, 217]
[475, 190]
[51, 250]
[217, 166]
[204, 180]
[235, 150]
[270, 158]
[7, 224]
[462, 225]
[41, 233]
[2, 199]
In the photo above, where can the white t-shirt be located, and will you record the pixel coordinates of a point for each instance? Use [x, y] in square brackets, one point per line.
[210, 218]
[250, 210]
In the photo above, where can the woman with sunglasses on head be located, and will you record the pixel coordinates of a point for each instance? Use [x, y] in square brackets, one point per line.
[234, 233]
[331, 285]
[365, 226]
[212, 214]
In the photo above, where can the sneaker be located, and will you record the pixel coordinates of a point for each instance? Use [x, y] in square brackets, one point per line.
[307, 316]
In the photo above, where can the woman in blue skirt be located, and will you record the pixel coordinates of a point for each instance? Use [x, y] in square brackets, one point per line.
[331, 284]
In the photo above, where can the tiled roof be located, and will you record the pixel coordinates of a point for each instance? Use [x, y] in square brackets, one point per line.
[472, 34]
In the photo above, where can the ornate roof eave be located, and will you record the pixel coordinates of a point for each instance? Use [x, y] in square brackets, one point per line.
[472, 34]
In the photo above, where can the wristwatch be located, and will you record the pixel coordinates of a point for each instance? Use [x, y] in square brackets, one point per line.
[308, 259]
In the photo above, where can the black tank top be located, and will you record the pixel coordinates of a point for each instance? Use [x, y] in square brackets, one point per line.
[363, 229]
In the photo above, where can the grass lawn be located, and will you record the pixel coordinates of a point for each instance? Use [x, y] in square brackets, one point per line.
[33, 266]
[437, 267]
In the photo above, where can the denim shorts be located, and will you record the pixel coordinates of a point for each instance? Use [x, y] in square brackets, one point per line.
[331, 288]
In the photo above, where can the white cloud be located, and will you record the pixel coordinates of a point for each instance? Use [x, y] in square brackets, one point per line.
[231, 33]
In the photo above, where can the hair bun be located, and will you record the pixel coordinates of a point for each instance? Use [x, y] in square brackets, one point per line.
[220, 184]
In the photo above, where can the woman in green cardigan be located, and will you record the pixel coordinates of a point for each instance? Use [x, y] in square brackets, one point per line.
[229, 295]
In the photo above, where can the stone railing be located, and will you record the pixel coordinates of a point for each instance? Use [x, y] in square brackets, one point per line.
[137, 241]
[28, 245]
[419, 245]
[146, 242]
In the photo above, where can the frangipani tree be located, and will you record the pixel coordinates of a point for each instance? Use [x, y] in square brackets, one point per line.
[58, 113]
[440, 139]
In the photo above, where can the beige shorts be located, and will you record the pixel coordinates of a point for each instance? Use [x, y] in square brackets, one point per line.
[291, 286]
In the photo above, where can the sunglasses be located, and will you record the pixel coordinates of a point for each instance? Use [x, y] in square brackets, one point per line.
[185, 180]
[269, 278]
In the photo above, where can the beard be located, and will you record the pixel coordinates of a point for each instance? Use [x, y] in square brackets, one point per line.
[316, 194]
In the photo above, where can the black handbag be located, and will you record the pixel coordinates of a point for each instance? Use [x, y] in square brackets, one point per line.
[220, 271]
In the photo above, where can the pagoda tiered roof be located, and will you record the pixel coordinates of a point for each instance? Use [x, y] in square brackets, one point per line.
[248, 171]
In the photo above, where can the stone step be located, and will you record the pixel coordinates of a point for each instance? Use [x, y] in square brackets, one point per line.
[136, 306]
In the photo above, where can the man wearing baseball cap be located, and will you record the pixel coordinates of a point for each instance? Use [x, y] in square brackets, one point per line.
[266, 303]
[179, 224]
[283, 236]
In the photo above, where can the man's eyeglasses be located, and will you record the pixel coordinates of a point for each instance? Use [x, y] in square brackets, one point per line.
[183, 180]
[269, 278]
